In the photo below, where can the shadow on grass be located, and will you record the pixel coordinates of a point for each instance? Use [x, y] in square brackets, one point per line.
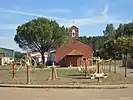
[78, 74]
[91, 82]
[130, 67]
[121, 66]
[83, 77]
[5, 69]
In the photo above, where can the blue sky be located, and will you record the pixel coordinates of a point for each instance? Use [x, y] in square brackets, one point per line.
[91, 16]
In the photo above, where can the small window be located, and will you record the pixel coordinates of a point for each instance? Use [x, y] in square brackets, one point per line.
[73, 33]
[84, 58]
[64, 59]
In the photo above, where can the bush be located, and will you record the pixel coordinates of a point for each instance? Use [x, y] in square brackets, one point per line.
[17, 63]
[40, 65]
[50, 63]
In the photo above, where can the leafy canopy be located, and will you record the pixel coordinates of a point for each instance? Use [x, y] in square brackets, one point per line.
[40, 35]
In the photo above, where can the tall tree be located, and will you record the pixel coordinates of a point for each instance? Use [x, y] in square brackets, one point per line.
[19, 55]
[126, 46]
[40, 35]
[120, 30]
[109, 31]
[95, 41]
[110, 45]
[125, 41]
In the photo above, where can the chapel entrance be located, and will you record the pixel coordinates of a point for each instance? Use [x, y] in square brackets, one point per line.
[74, 61]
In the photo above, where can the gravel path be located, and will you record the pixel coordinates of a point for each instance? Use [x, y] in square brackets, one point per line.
[65, 94]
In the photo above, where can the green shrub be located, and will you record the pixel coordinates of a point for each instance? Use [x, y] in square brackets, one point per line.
[40, 65]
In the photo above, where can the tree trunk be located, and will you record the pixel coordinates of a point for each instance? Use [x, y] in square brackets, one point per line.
[103, 65]
[110, 65]
[114, 65]
[43, 60]
[126, 66]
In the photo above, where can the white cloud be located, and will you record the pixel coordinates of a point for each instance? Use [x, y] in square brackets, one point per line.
[103, 18]
[58, 11]
[8, 26]
[29, 14]
[105, 10]
[91, 21]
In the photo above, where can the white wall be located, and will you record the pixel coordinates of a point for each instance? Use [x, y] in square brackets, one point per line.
[45, 58]
[6, 60]
[52, 57]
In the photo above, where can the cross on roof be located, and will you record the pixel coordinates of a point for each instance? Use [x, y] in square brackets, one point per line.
[73, 22]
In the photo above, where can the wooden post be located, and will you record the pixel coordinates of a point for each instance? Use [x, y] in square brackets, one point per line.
[103, 65]
[28, 74]
[85, 68]
[52, 73]
[110, 66]
[13, 72]
[81, 66]
[126, 65]
[126, 69]
[56, 76]
[114, 65]
[98, 66]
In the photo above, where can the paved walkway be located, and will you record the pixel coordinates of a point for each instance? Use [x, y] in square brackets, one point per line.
[65, 94]
[70, 86]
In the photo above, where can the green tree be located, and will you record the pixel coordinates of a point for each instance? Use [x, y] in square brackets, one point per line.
[110, 41]
[96, 42]
[120, 30]
[19, 55]
[126, 46]
[109, 31]
[40, 35]
[110, 44]
[84, 39]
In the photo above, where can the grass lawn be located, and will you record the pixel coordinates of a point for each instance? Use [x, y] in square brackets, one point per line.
[65, 76]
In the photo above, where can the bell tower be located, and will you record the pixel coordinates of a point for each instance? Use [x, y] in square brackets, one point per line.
[73, 32]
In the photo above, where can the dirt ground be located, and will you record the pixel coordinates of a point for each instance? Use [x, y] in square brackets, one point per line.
[65, 76]
[65, 94]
